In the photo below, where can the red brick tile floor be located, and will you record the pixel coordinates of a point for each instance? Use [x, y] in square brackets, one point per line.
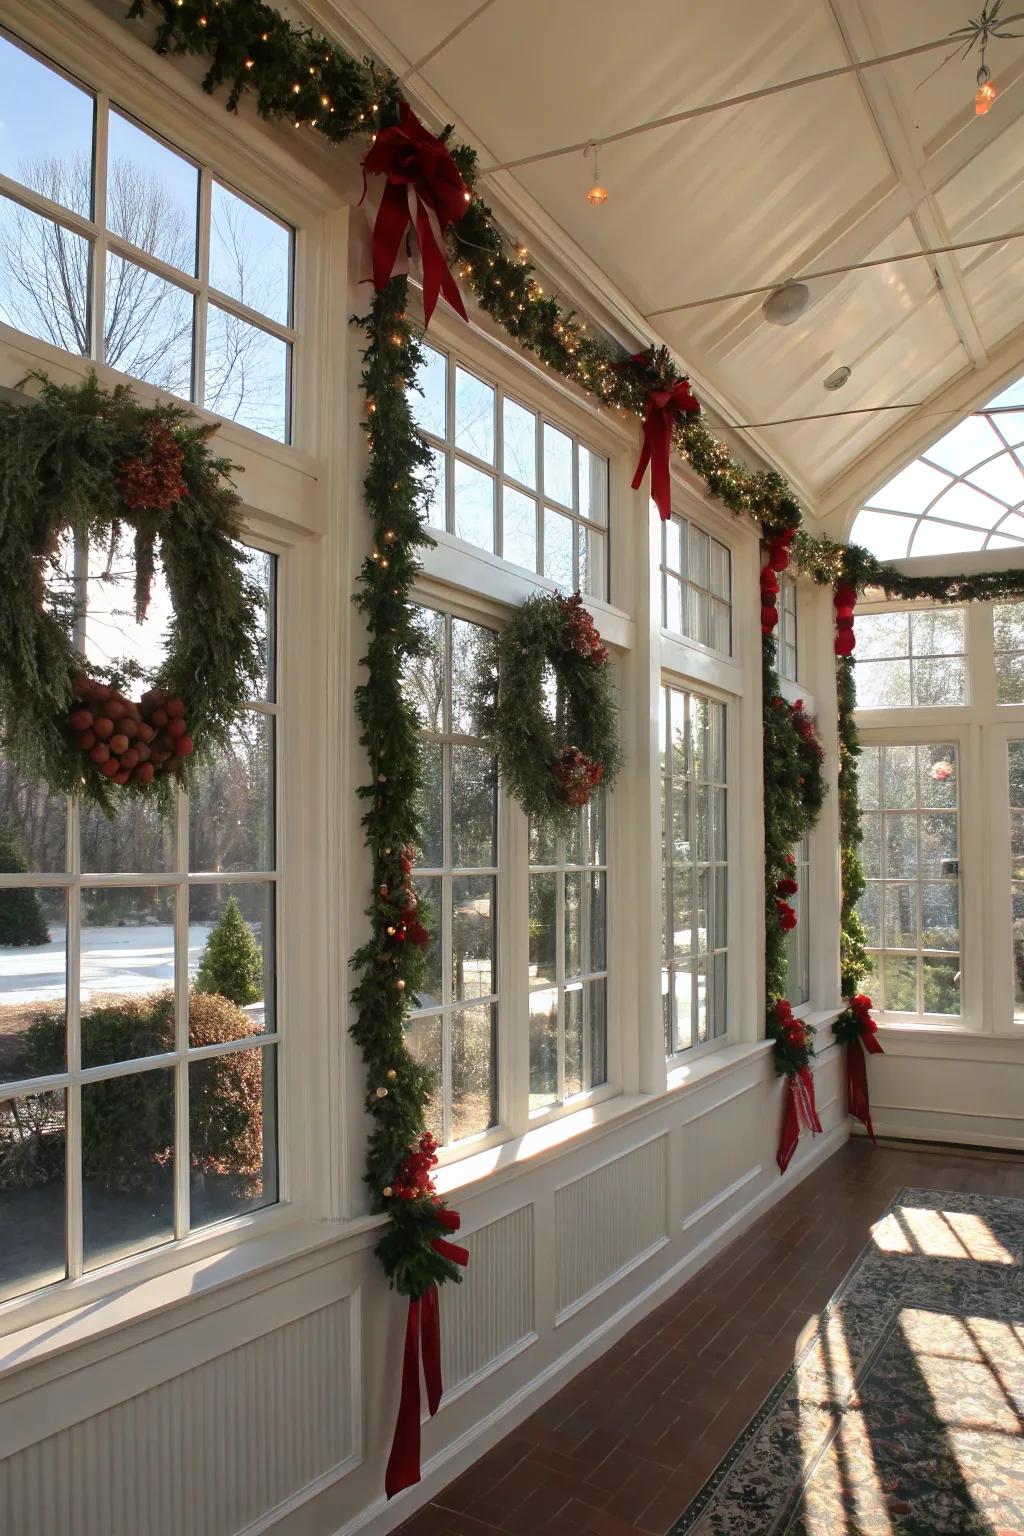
[623, 1448]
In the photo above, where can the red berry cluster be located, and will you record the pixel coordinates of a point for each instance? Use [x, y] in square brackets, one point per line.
[805, 725]
[792, 1031]
[844, 600]
[414, 1180]
[129, 741]
[786, 913]
[578, 776]
[583, 635]
[778, 560]
[407, 926]
[153, 481]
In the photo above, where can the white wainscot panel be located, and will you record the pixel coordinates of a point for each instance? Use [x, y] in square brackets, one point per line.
[609, 1220]
[720, 1152]
[210, 1452]
[490, 1316]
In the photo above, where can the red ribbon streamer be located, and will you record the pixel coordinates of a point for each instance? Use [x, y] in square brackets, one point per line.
[664, 407]
[422, 1339]
[799, 1113]
[857, 1099]
[424, 189]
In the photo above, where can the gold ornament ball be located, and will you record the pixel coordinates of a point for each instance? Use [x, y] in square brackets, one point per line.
[399, 985]
[392, 1075]
[382, 1093]
[387, 1191]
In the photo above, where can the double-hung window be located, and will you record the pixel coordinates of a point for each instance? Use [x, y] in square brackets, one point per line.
[696, 585]
[116, 246]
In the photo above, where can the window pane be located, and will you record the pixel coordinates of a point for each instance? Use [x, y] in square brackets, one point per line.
[558, 543]
[33, 981]
[139, 840]
[469, 641]
[543, 1049]
[232, 1114]
[473, 910]
[474, 506]
[424, 677]
[473, 1071]
[593, 485]
[152, 195]
[428, 401]
[519, 528]
[33, 825]
[32, 251]
[127, 967]
[231, 961]
[519, 444]
[543, 929]
[941, 979]
[430, 804]
[942, 681]
[46, 141]
[127, 1165]
[474, 416]
[423, 1037]
[900, 984]
[247, 373]
[1010, 679]
[231, 808]
[32, 1196]
[147, 327]
[474, 800]
[882, 684]
[557, 465]
[250, 255]
[436, 506]
[261, 569]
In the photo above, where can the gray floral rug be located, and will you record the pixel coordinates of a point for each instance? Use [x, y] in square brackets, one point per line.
[904, 1413]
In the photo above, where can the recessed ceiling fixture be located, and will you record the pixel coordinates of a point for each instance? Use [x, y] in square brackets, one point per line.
[786, 303]
[838, 377]
[597, 194]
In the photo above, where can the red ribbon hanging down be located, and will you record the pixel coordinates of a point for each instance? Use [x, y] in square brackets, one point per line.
[424, 189]
[857, 1100]
[799, 1113]
[422, 1339]
[664, 407]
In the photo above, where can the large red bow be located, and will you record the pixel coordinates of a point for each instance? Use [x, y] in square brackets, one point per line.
[799, 1113]
[422, 1337]
[857, 1100]
[424, 188]
[664, 407]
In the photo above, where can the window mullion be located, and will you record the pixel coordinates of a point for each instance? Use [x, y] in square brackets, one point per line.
[560, 967]
[73, 1047]
[202, 299]
[182, 1161]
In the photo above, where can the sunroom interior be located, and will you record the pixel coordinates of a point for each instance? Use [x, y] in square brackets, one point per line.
[511, 768]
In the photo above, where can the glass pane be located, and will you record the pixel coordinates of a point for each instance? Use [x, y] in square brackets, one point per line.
[473, 1071]
[900, 846]
[473, 914]
[698, 619]
[543, 1049]
[32, 1197]
[543, 927]
[937, 632]
[519, 444]
[573, 925]
[867, 776]
[882, 634]
[428, 401]
[939, 844]
[595, 1016]
[247, 373]
[231, 961]
[869, 908]
[475, 806]
[429, 893]
[1010, 679]
[673, 619]
[139, 840]
[474, 506]
[557, 465]
[596, 923]
[46, 142]
[721, 637]
[32, 249]
[519, 528]
[940, 919]
[232, 1117]
[1008, 626]
[721, 564]
[900, 984]
[469, 643]
[593, 485]
[33, 825]
[127, 971]
[592, 831]
[33, 981]
[250, 255]
[683, 1009]
[423, 1037]
[231, 808]
[699, 558]
[260, 569]
[424, 675]
[1017, 913]
[938, 773]
[901, 916]
[430, 805]
[147, 327]
[871, 848]
[942, 681]
[941, 980]
[127, 1165]
[152, 195]
[900, 781]
[474, 416]
[1016, 772]
[681, 916]
[672, 535]
[435, 509]
[574, 1041]
[882, 684]
[558, 543]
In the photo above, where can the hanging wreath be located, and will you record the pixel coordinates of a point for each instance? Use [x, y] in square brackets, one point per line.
[98, 468]
[545, 701]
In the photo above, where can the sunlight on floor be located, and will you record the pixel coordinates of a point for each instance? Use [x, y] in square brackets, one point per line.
[939, 1235]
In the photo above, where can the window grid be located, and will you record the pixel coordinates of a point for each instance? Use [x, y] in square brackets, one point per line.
[1008, 638]
[696, 585]
[911, 903]
[453, 1024]
[911, 658]
[568, 941]
[179, 881]
[798, 940]
[788, 653]
[694, 868]
[548, 513]
[105, 246]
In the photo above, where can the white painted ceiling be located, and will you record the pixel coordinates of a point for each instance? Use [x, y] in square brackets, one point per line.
[868, 165]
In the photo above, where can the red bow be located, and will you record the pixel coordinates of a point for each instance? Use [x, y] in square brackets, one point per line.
[424, 188]
[422, 1337]
[857, 1100]
[664, 407]
[799, 1113]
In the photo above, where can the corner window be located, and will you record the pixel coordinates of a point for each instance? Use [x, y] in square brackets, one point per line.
[696, 585]
[909, 659]
[798, 940]
[508, 481]
[138, 256]
[695, 870]
[1008, 637]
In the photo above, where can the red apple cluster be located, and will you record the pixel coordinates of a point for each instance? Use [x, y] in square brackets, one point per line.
[578, 776]
[128, 740]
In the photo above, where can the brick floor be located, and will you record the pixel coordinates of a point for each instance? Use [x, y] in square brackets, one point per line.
[623, 1447]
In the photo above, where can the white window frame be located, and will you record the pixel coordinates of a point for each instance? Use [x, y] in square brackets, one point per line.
[688, 584]
[788, 634]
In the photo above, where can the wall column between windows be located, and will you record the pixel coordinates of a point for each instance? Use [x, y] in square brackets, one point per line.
[825, 885]
[746, 780]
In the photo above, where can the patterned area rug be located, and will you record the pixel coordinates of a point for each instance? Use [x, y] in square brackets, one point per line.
[904, 1413]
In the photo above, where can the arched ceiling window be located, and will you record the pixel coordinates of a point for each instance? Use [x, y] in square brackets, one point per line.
[965, 492]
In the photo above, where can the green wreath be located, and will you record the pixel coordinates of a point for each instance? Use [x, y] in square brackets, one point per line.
[95, 464]
[554, 744]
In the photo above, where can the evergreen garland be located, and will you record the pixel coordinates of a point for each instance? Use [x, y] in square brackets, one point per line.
[853, 961]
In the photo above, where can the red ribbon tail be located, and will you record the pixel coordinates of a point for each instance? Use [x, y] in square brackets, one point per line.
[655, 452]
[790, 1133]
[432, 1349]
[453, 1251]
[806, 1107]
[437, 279]
[871, 1043]
[857, 1101]
[404, 1461]
[388, 229]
